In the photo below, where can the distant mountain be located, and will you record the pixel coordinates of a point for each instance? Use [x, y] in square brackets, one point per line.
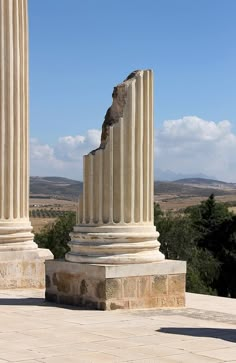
[168, 175]
[64, 188]
[55, 187]
[206, 182]
[195, 187]
[59, 180]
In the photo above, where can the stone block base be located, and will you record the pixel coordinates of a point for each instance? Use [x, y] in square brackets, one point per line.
[109, 287]
[24, 269]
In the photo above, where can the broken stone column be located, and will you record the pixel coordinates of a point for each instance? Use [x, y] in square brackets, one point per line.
[21, 262]
[115, 222]
[114, 259]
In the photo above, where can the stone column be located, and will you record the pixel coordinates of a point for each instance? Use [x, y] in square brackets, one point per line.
[114, 260]
[16, 238]
[115, 222]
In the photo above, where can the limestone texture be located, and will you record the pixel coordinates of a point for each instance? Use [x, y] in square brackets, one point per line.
[92, 286]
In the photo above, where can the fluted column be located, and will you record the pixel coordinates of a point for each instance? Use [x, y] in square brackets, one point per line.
[116, 208]
[15, 227]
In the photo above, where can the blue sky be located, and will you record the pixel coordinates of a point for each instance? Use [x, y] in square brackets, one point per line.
[79, 50]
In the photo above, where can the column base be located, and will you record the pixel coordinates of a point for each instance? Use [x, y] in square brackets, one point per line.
[114, 244]
[109, 287]
[23, 268]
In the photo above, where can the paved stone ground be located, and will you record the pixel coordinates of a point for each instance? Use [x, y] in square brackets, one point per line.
[33, 331]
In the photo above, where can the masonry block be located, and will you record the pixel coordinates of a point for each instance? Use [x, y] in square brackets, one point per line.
[110, 287]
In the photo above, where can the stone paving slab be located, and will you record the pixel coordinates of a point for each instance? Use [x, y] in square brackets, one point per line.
[33, 331]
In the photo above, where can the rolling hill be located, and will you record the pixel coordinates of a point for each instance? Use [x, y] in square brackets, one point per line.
[64, 188]
[206, 182]
[55, 187]
[195, 187]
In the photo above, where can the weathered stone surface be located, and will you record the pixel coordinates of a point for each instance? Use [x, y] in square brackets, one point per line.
[62, 281]
[143, 286]
[130, 287]
[101, 290]
[22, 274]
[83, 287]
[113, 288]
[147, 302]
[159, 285]
[176, 283]
[180, 300]
[98, 292]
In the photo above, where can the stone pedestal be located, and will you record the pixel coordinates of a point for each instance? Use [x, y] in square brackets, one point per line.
[109, 287]
[114, 259]
[21, 262]
[23, 269]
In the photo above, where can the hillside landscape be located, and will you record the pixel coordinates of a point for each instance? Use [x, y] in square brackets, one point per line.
[55, 187]
[191, 191]
[64, 188]
[61, 194]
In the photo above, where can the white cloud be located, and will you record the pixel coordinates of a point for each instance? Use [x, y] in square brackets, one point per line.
[189, 145]
[65, 158]
[192, 128]
[40, 151]
[192, 145]
[94, 137]
[72, 148]
[70, 140]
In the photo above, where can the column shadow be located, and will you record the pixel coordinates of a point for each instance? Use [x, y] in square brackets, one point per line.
[34, 301]
[41, 302]
[218, 333]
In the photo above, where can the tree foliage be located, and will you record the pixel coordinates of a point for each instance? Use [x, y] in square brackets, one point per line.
[178, 239]
[204, 236]
[55, 236]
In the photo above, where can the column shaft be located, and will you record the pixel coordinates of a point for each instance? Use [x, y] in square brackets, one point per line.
[120, 190]
[14, 176]
[151, 150]
[139, 151]
[118, 179]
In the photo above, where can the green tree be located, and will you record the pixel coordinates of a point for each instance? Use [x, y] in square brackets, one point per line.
[216, 227]
[178, 239]
[208, 218]
[55, 236]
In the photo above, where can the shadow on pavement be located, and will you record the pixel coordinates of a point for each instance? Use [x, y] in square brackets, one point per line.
[219, 333]
[36, 301]
[23, 301]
